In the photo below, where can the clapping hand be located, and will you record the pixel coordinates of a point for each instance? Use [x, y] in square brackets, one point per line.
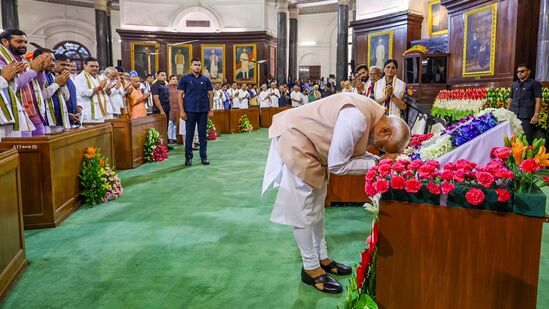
[10, 70]
[62, 78]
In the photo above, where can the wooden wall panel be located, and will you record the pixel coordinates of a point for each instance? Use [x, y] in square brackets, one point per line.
[406, 27]
[265, 45]
[516, 39]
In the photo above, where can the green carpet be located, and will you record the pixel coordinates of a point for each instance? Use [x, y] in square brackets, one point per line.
[197, 237]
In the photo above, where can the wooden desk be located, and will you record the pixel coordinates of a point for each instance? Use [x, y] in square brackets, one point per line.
[447, 257]
[252, 113]
[346, 189]
[221, 120]
[50, 166]
[265, 118]
[129, 138]
[12, 242]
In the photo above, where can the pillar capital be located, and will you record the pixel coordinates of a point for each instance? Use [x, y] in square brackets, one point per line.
[294, 11]
[282, 6]
[101, 5]
[343, 2]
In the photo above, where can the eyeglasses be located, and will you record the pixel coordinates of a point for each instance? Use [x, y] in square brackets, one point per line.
[521, 71]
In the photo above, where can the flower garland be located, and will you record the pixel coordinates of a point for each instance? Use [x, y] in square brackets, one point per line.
[155, 150]
[212, 132]
[98, 181]
[244, 124]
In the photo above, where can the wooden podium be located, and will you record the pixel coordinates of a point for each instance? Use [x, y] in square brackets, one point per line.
[267, 114]
[50, 166]
[346, 189]
[235, 114]
[12, 242]
[221, 119]
[447, 257]
[129, 137]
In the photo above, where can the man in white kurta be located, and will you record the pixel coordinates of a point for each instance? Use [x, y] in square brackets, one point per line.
[234, 93]
[330, 135]
[116, 91]
[264, 97]
[274, 93]
[297, 97]
[243, 96]
[91, 95]
[244, 64]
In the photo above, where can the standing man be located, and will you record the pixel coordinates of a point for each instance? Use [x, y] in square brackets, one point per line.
[195, 108]
[375, 75]
[91, 91]
[361, 76]
[297, 97]
[115, 90]
[161, 97]
[330, 136]
[174, 110]
[525, 100]
[274, 94]
[146, 88]
[63, 63]
[244, 64]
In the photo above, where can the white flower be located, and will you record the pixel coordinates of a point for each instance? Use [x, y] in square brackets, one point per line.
[441, 146]
[503, 115]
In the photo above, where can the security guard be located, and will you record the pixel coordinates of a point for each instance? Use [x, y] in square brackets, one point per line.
[525, 100]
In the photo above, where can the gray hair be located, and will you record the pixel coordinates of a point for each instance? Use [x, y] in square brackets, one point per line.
[378, 69]
[110, 69]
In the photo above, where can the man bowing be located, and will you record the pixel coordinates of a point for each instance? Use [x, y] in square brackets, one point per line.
[331, 135]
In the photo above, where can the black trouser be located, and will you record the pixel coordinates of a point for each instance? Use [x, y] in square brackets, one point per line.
[528, 129]
[194, 119]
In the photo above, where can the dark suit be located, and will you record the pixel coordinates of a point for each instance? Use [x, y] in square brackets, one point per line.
[523, 95]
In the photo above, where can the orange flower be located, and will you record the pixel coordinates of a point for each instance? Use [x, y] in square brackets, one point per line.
[518, 149]
[542, 159]
[90, 153]
[102, 163]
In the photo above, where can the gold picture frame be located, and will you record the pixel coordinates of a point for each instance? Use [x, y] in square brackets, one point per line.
[178, 70]
[145, 54]
[206, 61]
[239, 75]
[440, 13]
[477, 40]
[386, 38]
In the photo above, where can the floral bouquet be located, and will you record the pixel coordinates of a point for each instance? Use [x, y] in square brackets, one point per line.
[155, 150]
[212, 132]
[497, 97]
[244, 124]
[114, 185]
[456, 104]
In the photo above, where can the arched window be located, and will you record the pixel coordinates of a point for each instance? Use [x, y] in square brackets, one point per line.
[74, 50]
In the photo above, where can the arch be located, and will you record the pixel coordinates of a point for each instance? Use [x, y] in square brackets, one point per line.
[178, 22]
[74, 50]
[309, 58]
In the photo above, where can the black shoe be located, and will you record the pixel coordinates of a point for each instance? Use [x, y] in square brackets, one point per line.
[188, 162]
[330, 285]
[196, 146]
[340, 269]
[205, 161]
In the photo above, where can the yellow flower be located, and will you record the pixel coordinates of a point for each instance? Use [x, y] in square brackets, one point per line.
[518, 149]
[541, 158]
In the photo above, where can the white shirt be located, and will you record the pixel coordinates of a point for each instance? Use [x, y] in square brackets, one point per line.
[305, 98]
[243, 96]
[84, 95]
[274, 94]
[234, 94]
[117, 95]
[218, 99]
[297, 96]
[264, 99]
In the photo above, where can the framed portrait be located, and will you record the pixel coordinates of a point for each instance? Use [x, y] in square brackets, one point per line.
[438, 18]
[144, 57]
[213, 62]
[179, 59]
[479, 41]
[244, 63]
[380, 48]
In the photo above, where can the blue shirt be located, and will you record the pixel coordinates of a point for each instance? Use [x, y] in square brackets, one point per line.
[71, 102]
[161, 90]
[196, 93]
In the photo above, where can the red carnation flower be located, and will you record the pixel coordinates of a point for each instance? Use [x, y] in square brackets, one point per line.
[415, 165]
[529, 166]
[546, 179]
[447, 187]
[381, 185]
[398, 167]
[459, 175]
[474, 196]
[384, 170]
[371, 174]
[386, 161]
[450, 166]
[502, 152]
[503, 195]
[370, 189]
[397, 182]
[485, 179]
[447, 175]
[433, 163]
[412, 185]
[433, 188]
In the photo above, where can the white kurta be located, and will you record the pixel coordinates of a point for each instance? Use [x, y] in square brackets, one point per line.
[274, 94]
[234, 94]
[84, 98]
[218, 99]
[398, 90]
[243, 96]
[297, 96]
[264, 99]
[117, 99]
[297, 203]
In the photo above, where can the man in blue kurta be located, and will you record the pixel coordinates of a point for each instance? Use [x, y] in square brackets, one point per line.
[195, 107]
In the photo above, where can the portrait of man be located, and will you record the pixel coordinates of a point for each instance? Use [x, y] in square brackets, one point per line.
[213, 58]
[144, 58]
[180, 56]
[479, 45]
[380, 48]
[244, 65]
[438, 18]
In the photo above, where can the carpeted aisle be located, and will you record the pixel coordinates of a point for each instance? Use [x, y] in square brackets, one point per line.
[196, 237]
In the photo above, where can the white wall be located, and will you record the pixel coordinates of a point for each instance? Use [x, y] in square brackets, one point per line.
[322, 29]
[169, 15]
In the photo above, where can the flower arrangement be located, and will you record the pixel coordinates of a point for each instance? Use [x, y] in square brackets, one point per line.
[456, 104]
[155, 150]
[98, 181]
[496, 97]
[114, 185]
[416, 49]
[244, 124]
[212, 132]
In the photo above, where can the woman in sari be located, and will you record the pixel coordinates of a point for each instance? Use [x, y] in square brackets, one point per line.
[389, 90]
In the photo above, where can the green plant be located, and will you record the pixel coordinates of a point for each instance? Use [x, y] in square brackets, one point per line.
[92, 177]
[244, 124]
